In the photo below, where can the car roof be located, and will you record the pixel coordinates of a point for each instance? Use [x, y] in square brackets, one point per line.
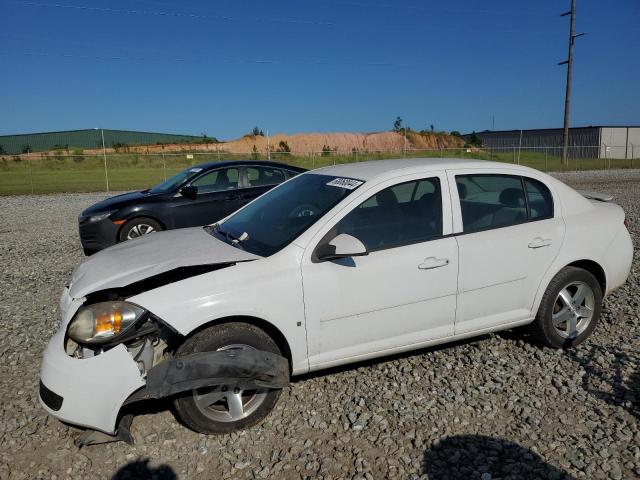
[380, 168]
[231, 163]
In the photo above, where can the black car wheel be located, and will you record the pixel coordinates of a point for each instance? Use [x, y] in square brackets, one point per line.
[138, 227]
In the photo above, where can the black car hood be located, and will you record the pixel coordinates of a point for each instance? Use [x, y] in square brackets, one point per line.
[118, 201]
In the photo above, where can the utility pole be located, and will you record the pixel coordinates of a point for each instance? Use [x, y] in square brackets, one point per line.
[567, 97]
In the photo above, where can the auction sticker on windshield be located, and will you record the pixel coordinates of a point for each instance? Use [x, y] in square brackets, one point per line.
[348, 183]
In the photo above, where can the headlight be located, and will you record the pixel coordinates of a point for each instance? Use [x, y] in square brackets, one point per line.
[103, 322]
[100, 216]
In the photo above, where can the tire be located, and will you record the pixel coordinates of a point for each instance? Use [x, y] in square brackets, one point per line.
[219, 417]
[566, 317]
[138, 227]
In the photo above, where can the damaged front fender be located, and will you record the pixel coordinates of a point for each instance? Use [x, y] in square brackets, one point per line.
[244, 367]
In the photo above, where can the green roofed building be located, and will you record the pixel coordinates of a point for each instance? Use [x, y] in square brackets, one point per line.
[92, 138]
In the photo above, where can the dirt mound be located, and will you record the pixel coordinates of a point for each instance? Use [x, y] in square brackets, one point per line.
[305, 143]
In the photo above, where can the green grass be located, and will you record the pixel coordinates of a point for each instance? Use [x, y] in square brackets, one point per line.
[55, 174]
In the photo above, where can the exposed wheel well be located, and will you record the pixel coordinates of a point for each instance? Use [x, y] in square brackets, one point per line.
[595, 269]
[265, 326]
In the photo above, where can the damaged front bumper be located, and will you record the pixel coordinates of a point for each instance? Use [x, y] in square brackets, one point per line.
[91, 391]
[88, 392]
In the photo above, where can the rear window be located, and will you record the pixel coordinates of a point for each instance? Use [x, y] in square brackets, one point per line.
[492, 201]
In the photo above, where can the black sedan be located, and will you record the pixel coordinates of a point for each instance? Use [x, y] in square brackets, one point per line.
[199, 195]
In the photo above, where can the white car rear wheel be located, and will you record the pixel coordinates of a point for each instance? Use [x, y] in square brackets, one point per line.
[570, 309]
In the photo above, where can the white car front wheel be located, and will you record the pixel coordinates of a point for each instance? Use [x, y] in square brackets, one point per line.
[226, 408]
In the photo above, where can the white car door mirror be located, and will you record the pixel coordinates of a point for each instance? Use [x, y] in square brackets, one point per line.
[342, 246]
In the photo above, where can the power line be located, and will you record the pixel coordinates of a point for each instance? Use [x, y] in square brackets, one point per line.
[394, 6]
[172, 14]
[227, 60]
[378, 27]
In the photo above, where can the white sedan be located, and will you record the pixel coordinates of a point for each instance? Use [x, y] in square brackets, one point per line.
[334, 266]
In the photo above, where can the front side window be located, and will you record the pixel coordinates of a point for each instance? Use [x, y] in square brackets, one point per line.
[217, 180]
[263, 176]
[492, 201]
[171, 183]
[406, 213]
[278, 217]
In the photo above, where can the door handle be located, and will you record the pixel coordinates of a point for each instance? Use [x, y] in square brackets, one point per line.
[540, 242]
[433, 262]
[232, 196]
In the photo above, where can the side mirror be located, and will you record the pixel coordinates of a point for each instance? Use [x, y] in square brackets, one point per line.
[342, 246]
[190, 191]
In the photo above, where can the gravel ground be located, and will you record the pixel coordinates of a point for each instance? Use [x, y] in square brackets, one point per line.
[493, 407]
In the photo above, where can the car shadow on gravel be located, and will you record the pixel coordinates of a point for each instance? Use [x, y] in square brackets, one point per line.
[485, 458]
[611, 374]
[140, 470]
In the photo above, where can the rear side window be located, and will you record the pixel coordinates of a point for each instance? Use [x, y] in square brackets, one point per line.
[491, 201]
[404, 214]
[540, 199]
[262, 176]
[494, 201]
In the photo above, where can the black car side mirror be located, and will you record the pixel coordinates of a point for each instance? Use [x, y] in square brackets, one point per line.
[190, 191]
[342, 246]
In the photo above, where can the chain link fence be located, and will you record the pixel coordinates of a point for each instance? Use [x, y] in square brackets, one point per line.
[61, 171]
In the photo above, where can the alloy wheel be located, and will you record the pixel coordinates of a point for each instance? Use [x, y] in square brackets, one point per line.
[228, 403]
[573, 309]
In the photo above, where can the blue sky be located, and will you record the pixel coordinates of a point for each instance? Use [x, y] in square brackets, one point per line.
[223, 66]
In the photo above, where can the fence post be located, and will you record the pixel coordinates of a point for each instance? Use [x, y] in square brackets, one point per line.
[104, 156]
[164, 166]
[546, 158]
[30, 170]
[632, 155]
[514, 155]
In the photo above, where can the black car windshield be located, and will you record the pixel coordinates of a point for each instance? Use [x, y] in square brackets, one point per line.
[279, 216]
[178, 179]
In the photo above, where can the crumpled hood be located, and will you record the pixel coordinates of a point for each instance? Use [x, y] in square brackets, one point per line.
[144, 257]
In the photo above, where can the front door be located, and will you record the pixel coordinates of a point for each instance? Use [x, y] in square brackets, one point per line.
[217, 197]
[510, 238]
[402, 294]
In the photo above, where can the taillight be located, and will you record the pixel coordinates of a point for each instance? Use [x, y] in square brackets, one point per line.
[626, 223]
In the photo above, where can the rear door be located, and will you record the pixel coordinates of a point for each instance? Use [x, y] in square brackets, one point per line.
[510, 235]
[218, 196]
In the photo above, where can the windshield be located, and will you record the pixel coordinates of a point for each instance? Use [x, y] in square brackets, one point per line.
[279, 216]
[178, 179]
